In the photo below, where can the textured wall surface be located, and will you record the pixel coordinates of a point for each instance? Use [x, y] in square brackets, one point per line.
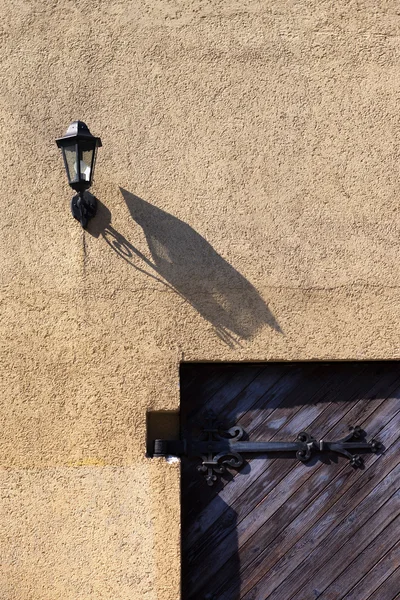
[248, 184]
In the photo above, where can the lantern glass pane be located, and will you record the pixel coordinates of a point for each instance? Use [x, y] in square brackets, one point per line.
[70, 158]
[86, 164]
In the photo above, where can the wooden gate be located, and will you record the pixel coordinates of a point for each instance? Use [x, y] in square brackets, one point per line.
[280, 529]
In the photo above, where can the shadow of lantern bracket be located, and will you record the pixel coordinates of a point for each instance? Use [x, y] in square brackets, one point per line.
[220, 449]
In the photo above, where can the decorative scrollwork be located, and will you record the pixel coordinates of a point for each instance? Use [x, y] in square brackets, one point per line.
[376, 446]
[219, 464]
[305, 451]
[234, 434]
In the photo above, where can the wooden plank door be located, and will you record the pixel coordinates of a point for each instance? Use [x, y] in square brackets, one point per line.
[283, 530]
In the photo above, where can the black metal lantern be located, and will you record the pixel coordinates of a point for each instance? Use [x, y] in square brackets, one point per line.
[79, 148]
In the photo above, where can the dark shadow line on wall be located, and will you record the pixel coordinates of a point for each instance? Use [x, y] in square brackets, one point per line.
[187, 264]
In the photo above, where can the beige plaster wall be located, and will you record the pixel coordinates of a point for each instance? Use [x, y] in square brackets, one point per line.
[248, 183]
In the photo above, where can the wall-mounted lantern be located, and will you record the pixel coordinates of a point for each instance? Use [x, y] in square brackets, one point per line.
[79, 148]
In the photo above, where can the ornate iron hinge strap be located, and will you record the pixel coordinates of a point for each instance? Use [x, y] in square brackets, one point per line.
[221, 449]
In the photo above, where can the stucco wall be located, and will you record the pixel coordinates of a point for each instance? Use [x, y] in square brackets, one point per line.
[248, 184]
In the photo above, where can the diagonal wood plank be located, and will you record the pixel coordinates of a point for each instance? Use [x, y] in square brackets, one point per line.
[195, 495]
[330, 529]
[376, 576]
[296, 397]
[217, 551]
[280, 529]
[226, 394]
[384, 546]
[213, 392]
[309, 504]
[269, 387]
[331, 510]
[210, 559]
[389, 590]
[241, 486]
[194, 492]
[381, 528]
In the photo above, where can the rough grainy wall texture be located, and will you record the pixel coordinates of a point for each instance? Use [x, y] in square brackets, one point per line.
[249, 195]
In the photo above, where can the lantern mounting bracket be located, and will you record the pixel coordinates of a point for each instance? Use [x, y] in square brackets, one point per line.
[220, 449]
[83, 207]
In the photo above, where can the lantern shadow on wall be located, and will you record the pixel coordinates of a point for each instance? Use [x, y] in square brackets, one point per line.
[185, 262]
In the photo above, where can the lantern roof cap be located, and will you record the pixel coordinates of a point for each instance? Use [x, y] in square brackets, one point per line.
[78, 130]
